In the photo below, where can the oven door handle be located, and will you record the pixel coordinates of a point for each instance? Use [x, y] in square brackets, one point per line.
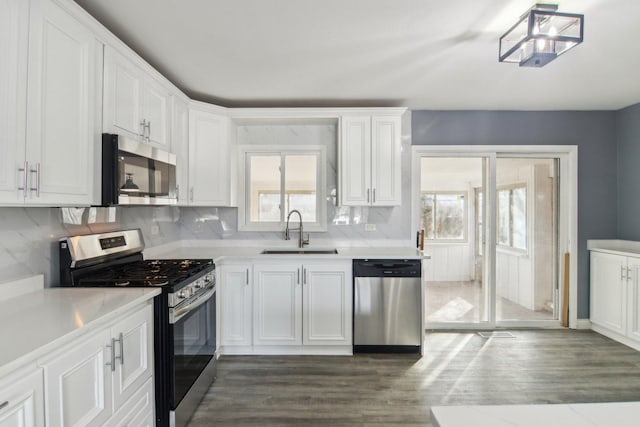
[175, 314]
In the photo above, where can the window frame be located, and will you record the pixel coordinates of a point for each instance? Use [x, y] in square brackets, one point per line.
[244, 199]
[511, 188]
[465, 232]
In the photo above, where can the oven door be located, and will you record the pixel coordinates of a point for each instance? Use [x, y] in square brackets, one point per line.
[193, 346]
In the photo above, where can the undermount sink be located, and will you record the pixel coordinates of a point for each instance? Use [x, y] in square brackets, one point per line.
[300, 251]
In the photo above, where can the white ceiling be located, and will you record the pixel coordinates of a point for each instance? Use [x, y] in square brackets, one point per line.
[424, 54]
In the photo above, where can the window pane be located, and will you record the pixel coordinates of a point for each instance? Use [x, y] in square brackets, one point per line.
[426, 218]
[503, 217]
[300, 185]
[449, 218]
[264, 188]
[519, 212]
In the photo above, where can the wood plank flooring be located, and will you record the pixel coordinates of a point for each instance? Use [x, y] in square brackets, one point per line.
[549, 366]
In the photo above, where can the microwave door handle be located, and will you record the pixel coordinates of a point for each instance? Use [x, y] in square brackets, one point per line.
[176, 314]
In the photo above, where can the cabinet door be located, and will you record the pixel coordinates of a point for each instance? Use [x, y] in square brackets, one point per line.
[14, 38]
[180, 147]
[61, 132]
[133, 338]
[633, 296]
[277, 318]
[327, 303]
[609, 291]
[138, 410]
[155, 110]
[209, 169]
[355, 161]
[386, 153]
[122, 93]
[235, 293]
[22, 400]
[78, 383]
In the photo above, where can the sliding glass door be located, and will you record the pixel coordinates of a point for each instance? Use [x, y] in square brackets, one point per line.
[451, 211]
[491, 225]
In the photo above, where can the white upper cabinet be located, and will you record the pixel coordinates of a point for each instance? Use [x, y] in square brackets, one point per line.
[135, 104]
[63, 83]
[370, 159]
[14, 38]
[180, 147]
[48, 102]
[210, 157]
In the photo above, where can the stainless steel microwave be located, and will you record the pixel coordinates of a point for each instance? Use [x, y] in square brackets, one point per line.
[135, 173]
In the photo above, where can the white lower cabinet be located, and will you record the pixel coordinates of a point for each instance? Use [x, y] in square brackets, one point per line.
[235, 307]
[22, 399]
[303, 304]
[89, 382]
[286, 307]
[327, 304]
[615, 296]
[277, 293]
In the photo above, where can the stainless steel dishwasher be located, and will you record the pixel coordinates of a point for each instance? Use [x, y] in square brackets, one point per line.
[387, 306]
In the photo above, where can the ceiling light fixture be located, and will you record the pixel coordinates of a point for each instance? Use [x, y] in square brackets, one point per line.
[541, 35]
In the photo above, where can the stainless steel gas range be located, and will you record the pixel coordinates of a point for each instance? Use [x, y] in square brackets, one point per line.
[185, 311]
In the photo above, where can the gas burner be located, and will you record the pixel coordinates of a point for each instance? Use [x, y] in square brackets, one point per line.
[154, 283]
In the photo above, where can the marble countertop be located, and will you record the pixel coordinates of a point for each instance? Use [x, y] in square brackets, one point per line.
[619, 414]
[188, 249]
[34, 324]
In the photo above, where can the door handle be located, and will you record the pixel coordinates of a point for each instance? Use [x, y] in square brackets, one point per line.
[25, 172]
[112, 350]
[121, 340]
[37, 172]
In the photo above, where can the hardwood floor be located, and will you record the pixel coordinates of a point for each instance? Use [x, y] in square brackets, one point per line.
[552, 366]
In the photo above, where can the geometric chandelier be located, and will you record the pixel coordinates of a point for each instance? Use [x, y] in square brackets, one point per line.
[540, 36]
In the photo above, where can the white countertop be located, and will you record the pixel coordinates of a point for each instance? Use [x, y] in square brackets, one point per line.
[619, 247]
[32, 325]
[198, 249]
[618, 414]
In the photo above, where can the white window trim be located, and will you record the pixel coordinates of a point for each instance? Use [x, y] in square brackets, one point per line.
[320, 225]
[465, 235]
[568, 227]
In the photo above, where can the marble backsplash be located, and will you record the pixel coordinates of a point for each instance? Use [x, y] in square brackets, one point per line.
[29, 236]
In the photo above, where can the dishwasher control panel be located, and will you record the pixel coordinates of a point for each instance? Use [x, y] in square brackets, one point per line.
[387, 268]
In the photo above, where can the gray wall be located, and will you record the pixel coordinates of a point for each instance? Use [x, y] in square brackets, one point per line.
[594, 133]
[628, 142]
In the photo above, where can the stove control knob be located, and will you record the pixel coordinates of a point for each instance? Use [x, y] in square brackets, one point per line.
[182, 295]
[199, 285]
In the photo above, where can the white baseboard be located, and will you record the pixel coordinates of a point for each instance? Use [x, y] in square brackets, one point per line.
[583, 324]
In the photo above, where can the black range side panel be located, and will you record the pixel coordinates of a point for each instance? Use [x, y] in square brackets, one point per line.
[109, 169]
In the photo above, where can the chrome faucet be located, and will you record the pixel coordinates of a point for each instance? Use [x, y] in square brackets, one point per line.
[301, 241]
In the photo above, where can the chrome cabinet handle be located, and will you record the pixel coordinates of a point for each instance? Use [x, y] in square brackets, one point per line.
[298, 276]
[304, 276]
[37, 172]
[191, 191]
[247, 278]
[629, 274]
[25, 172]
[112, 349]
[148, 126]
[3, 404]
[143, 124]
[121, 340]
[177, 192]
[374, 195]
[367, 195]
[622, 269]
